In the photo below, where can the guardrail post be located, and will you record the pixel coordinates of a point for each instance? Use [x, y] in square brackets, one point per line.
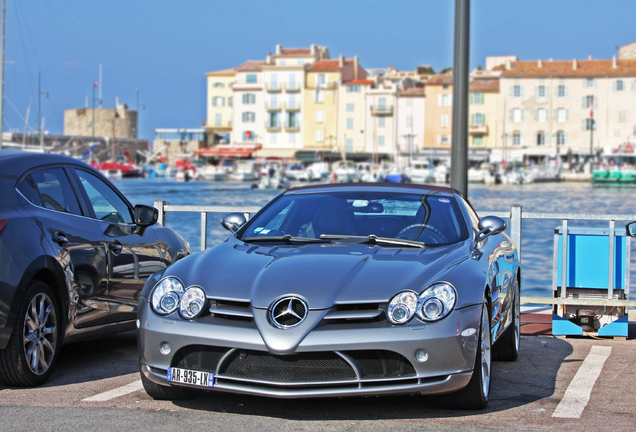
[159, 204]
[204, 230]
[515, 227]
[610, 282]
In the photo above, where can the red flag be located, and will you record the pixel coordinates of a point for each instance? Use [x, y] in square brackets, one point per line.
[95, 84]
[592, 108]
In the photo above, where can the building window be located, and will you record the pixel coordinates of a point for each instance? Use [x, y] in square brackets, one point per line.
[273, 137]
[318, 96]
[542, 91]
[409, 102]
[321, 81]
[590, 82]
[320, 116]
[350, 107]
[273, 119]
[249, 117]
[349, 123]
[349, 148]
[444, 100]
[218, 101]
[478, 119]
[293, 120]
[218, 119]
[320, 136]
[516, 91]
[229, 101]
[560, 138]
[516, 115]
[444, 120]
[619, 85]
[381, 121]
[477, 98]
[622, 116]
[218, 85]
[478, 140]
[590, 102]
[291, 137]
[249, 98]
[380, 140]
[589, 124]
[353, 89]
[516, 138]
[409, 121]
[562, 91]
[443, 139]
[540, 138]
[251, 79]
[542, 115]
[561, 115]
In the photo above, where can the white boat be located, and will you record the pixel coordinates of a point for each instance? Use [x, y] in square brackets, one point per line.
[317, 171]
[297, 172]
[214, 173]
[244, 171]
[344, 172]
[420, 171]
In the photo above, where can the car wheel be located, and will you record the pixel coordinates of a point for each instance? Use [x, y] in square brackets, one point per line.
[507, 346]
[475, 395]
[161, 392]
[34, 345]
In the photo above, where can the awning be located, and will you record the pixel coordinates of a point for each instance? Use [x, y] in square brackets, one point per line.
[227, 151]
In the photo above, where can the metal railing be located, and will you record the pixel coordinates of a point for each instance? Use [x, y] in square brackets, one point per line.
[516, 215]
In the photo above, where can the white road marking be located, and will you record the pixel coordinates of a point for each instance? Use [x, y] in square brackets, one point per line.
[578, 392]
[112, 394]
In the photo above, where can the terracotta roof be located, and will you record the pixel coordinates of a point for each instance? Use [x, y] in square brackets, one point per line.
[328, 64]
[413, 91]
[224, 72]
[295, 51]
[485, 85]
[251, 66]
[567, 68]
[359, 82]
[440, 79]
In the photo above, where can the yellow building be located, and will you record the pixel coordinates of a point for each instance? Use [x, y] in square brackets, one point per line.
[483, 113]
[218, 122]
[438, 111]
[320, 120]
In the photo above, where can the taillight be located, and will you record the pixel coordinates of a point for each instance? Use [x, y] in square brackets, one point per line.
[3, 223]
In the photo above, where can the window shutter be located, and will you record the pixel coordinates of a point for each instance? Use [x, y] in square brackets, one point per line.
[472, 119]
[536, 114]
[565, 137]
[521, 115]
[521, 140]
[483, 119]
[511, 115]
[521, 93]
[471, 99]
[567, 91]
[567, 114]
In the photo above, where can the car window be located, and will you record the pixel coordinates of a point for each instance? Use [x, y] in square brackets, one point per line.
[50, 189]
[433, 219]
[106, 203]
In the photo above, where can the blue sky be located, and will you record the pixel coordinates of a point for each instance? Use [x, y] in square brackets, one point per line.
[164, 48]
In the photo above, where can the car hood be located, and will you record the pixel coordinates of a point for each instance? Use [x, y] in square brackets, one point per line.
[322, 274]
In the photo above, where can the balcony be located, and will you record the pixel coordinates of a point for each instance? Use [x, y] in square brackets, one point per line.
[227, 124]
[478, 129]
[292, 106]
[292, 87]
[273, 87]
[292, 127]
[324, 86]
[381, 110]
[273, 106]
[273, 127]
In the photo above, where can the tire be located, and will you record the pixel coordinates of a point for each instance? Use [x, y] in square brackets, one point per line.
[507, 346]
[475, 395]
[161, 392]
[34, 345]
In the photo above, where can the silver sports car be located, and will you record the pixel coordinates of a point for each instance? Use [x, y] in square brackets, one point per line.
[339, 290]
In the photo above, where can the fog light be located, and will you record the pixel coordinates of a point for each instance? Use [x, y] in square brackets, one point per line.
[165, 348]
[421, 355]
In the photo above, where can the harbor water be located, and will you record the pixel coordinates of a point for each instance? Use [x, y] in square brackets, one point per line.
[537, 236]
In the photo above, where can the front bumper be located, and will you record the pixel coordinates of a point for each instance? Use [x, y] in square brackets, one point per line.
[332, 360]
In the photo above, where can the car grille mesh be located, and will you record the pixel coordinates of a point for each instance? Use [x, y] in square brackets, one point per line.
[298, 368]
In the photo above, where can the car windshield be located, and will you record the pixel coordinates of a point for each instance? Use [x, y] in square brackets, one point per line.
[431, 219]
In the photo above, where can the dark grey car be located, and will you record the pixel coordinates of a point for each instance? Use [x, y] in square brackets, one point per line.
[74, 255]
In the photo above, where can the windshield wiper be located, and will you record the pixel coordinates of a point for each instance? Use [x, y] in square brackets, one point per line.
[287, 238]
[373, 239]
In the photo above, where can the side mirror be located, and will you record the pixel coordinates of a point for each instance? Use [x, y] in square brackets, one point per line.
[490, 225]
[145, 215]
[631, 229]
[233, 221]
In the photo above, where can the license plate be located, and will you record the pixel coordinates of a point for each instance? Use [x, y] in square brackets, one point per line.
[186, 376]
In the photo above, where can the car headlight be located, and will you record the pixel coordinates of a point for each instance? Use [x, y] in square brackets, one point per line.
[402, 307]
[192, 303]
[436, 301]
[166, 296]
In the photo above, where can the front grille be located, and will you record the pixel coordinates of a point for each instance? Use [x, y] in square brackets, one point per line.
[304, 368]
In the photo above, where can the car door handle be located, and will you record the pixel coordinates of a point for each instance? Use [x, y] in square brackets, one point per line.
[115, 247]
[60, 238]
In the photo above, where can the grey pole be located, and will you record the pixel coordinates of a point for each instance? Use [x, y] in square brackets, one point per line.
[459, 146]
[2, 74]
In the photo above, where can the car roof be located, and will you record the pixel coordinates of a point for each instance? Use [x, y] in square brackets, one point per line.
[15, 162]
[374, 187]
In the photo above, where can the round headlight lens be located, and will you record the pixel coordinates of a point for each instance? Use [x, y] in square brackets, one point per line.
[192, 303]
[436, 302]
[402, 307]
[166, 295]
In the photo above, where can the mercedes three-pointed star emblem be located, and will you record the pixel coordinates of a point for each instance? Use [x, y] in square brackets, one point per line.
[288, 312]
